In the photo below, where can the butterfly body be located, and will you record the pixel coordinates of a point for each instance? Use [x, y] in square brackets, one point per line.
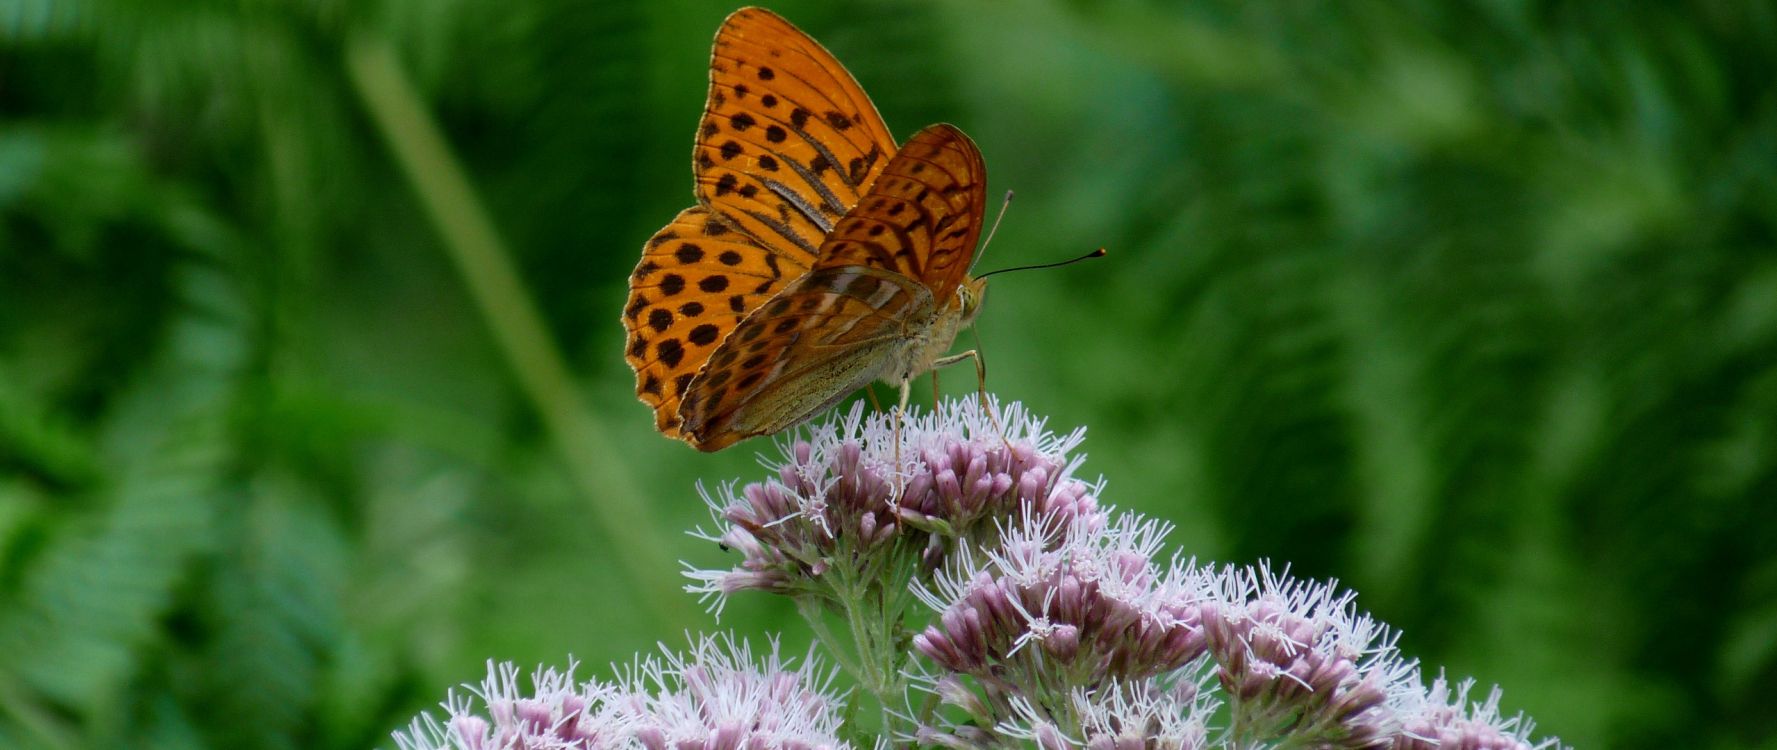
[820, 257]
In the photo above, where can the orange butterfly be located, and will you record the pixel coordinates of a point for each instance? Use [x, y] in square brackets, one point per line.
[819, 257]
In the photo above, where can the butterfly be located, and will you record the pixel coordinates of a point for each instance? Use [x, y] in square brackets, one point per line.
[819, 258]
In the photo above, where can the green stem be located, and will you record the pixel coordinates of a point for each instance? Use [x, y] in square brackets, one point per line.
[867, 624]
[812, 611]
[482, 259]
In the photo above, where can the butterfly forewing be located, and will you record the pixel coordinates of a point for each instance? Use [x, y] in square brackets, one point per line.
[789, 141]
[697, 279]
[923, 216]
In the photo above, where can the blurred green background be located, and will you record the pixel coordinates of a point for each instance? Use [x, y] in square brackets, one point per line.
[1472, 306]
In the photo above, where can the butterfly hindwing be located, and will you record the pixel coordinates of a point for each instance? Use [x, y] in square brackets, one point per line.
[923, 216]
[821, 338]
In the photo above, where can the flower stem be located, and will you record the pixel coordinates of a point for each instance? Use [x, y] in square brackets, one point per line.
[812, 612]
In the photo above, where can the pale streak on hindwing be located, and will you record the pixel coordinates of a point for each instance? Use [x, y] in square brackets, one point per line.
[880, 299]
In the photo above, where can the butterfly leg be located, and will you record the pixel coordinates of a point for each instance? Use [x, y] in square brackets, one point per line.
[870, 390]
[980, 386]
[937, 407]
[900, 415]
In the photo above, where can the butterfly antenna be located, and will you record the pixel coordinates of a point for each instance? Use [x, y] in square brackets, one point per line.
[1099, 253]
[1005, 204]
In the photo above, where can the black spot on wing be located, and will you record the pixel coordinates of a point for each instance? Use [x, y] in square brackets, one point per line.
[703, 335]
[670, 351]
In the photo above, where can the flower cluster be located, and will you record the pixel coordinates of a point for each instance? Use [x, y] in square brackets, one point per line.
[1054, 618]
[847, 492]
[717, 696]
[1052, 622]
[1298, 657]
[1443, 718]
[1074, 607]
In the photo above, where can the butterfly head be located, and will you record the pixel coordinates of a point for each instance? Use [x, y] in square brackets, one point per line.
[969, 296]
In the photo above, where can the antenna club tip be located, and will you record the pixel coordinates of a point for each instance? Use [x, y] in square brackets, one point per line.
[1099, 253]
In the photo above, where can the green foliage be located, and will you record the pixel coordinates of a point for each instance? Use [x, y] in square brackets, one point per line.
[1471, 305]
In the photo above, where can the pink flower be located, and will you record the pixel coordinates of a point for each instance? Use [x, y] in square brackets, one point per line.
[1085, 604]
[1296, 657]
[1443, 719]
[717, 696]
[839, 497]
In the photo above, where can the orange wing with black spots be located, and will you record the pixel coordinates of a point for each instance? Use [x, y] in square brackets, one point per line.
[788, 144]
[697, 279]
[819, 256]
[789, 141]
[923, 216]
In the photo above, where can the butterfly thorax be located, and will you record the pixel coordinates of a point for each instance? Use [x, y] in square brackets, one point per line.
[929, 342]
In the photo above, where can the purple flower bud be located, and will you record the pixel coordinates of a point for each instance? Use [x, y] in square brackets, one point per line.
[936, 647]
[918, 487]
[1063, 642]
[950, 491]
[1030, 487]
[980, 489]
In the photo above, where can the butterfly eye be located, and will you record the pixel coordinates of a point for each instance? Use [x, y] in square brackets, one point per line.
[970, 295]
